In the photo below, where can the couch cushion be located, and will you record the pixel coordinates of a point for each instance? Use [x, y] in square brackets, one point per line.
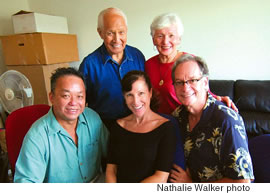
[256, 123]
[222, 87]
[252, 95]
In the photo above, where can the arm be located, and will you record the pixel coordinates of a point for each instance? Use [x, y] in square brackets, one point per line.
[111, 172]
[157, 177]
[31, 164]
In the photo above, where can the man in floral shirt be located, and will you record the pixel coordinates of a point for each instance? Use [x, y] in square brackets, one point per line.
[216, 147]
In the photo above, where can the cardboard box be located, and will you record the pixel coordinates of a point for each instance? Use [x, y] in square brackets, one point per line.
[29, 22]
[39, 48]
[39, 77]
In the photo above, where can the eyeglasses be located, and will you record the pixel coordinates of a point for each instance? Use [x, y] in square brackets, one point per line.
[192, 82]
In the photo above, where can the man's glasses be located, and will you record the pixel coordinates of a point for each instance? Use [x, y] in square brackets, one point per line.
[192, 82]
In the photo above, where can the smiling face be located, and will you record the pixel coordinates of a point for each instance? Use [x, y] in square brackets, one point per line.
[191, 94]
[139, 98]
[68, 99]
[166, 40]
[114, 33]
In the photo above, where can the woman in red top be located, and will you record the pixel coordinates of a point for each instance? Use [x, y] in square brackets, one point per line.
[166, 31]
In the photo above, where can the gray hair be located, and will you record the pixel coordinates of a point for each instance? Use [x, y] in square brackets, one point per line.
[112, 10]
[167, 20]
[188, 57]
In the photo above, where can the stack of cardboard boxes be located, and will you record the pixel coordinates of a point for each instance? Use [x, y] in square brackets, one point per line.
[39, 53]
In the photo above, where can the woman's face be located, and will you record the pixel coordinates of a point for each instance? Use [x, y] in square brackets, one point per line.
[138, 99]
[166, 40]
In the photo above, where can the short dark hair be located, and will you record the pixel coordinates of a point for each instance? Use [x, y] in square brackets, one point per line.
[188, 57]
[60, 72]
[133, 76]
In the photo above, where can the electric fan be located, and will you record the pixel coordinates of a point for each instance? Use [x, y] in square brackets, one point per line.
[15, 91]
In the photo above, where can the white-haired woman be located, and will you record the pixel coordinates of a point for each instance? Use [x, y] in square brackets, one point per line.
[166, 31]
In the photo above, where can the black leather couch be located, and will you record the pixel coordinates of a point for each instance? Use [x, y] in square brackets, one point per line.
[252, 98]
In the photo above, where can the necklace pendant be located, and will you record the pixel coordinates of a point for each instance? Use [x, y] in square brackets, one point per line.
[161, 82]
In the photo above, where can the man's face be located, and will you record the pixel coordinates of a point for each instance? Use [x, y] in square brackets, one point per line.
[68, 99]
[192, 93]
[114, 33]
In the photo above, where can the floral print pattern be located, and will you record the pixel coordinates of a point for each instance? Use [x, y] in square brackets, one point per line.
[217, 146]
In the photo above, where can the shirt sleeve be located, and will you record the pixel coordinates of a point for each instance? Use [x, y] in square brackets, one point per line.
[32, 162]
[166, 149]
[234, 149]
[104, 140]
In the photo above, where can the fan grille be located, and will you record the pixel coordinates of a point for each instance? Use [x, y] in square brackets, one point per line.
[15, 91]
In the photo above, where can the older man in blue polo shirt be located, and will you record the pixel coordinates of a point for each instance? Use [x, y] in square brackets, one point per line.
[106, 66]
[68, 143]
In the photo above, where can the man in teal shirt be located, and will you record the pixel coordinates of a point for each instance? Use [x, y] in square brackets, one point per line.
[68, 143]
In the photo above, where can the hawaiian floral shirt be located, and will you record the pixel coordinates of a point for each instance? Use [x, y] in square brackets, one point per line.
[217, 147]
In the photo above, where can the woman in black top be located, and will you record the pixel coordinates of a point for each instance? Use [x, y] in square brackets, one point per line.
[142, 145]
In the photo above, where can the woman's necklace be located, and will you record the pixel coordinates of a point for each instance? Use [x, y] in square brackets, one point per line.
[161, 82]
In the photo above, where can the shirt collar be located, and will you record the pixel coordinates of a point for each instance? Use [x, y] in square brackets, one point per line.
[55, 127]
[107, 57]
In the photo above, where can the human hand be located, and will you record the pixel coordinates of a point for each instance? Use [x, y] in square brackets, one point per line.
[228, 102]
[178, 175]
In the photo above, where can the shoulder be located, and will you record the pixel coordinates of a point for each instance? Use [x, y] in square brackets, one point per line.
[38, 133]
[95, 53]
[38, 128]
[151, 60]
[92, 57]
[167, 128]
[223, 112]
[134, 51]
[229, 120]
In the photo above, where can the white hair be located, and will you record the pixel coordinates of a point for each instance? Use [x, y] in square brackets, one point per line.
[167, 20]
[111, 10]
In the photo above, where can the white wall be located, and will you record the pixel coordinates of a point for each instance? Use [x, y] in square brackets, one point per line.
[232, 35]
[7, 8]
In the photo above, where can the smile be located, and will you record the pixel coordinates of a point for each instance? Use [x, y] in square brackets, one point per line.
[186, 96]
[138, 107]
[72, 110]
[116, 45]
[166, 47]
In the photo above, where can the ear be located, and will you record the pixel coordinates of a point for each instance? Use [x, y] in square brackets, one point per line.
[99, 30]
[179, 41]
[206, 83]
[151, 92]
[153, 41]
[51, 97]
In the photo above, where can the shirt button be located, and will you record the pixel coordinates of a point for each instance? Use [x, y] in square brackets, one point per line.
[81, 164]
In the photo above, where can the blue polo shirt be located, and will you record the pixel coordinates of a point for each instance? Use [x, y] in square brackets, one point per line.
[103, 80]
[49, 154]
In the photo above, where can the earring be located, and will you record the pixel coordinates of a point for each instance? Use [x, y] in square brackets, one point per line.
[154, 48]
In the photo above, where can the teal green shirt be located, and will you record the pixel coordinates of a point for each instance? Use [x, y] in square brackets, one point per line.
[49, 154]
